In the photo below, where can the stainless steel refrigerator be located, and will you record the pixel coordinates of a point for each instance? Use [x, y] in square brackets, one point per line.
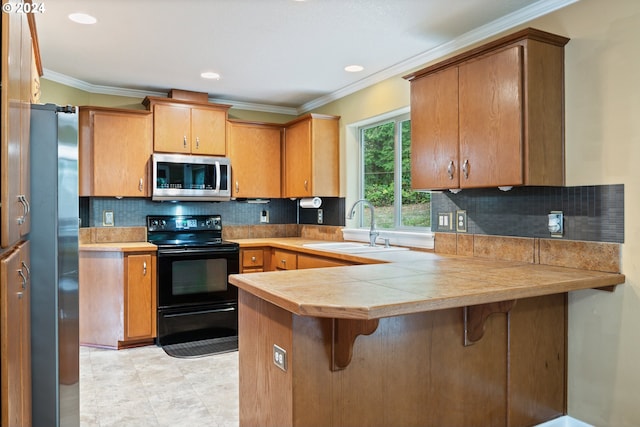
[54, 266]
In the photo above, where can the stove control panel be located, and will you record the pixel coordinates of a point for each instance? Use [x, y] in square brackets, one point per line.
[184, 223]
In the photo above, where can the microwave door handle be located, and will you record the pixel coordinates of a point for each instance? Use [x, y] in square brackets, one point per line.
[217, 176]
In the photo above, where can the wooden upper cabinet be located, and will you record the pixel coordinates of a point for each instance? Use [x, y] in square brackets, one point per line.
[15, 114]
[493, 116]
[311, 157]
[187, 127]
[114, 152]
[254, 150]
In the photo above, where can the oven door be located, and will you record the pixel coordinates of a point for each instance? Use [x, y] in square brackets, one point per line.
[196, 276]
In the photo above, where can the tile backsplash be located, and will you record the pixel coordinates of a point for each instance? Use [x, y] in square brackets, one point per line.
[591, 213]
[129, 212]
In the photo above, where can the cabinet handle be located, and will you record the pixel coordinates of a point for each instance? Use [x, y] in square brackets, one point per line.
[144, 268]
[451, 169]
[283, 261]
[140, 185]
[25, 267]
[19, 295]
[24, 279]
[25, 207]
[237, 187]
[465, 169]
[184, 141]
[197, 142]
[306, 185]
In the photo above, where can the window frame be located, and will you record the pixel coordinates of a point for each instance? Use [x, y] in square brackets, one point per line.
[397, 119]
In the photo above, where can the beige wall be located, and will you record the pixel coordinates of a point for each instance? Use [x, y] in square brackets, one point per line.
[602, 147]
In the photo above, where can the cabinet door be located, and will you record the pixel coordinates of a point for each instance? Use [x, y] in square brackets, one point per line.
[140, 307]
[434, 131]
[171, 128]
[121, 146]
[15, 337]
[25, 121]
[490, 114]
[12, 210]
[284, 260]
[208, 134]
[255, 160]
[297, 160]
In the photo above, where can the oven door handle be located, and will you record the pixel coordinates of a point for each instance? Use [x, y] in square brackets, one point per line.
[191, 313]
[198, 251]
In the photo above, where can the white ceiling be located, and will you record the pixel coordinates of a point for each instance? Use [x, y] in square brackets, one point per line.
[273, 55]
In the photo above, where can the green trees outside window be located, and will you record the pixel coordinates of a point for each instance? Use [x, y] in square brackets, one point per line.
[386, 180]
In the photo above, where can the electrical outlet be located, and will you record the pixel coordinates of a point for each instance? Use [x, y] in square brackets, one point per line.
[461, 221]
[320, 216]
[107, 218]
[556, 223]
[280, 357]
[264, 216]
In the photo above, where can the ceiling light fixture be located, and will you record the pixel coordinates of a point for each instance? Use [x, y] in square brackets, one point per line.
[83, 18]
[210, 75]
[354, 68]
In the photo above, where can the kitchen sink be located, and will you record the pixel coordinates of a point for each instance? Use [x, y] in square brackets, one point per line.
[352, 247]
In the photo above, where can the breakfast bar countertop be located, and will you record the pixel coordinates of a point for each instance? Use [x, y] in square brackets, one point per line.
[427, 282]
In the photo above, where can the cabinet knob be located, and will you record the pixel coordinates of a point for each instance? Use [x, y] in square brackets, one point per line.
[283, 261]
[465, 168]
[451, 169]
[184, 141]
[253, 259]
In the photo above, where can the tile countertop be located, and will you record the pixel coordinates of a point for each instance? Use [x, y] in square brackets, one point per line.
[407, 282]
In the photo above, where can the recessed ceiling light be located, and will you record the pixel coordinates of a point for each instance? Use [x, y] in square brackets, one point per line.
[354, 68]
[210, 75]
[83, 18]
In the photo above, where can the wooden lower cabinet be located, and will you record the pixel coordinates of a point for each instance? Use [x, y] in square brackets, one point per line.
[15, 338]
[284, 260]
[117, 294]
[253, 260]
[413, 370]
[312, 261]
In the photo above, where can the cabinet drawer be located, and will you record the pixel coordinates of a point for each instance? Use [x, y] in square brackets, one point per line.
[252, 258]
[284, 260]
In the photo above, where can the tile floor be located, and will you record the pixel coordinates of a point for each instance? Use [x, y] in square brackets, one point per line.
[145, 387]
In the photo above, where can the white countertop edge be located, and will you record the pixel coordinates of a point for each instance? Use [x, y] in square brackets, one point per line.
[564, 421]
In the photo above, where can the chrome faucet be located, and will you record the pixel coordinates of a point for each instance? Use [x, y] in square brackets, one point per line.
[373, 233]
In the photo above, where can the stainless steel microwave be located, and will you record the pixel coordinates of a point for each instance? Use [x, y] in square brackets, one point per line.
[192, 178]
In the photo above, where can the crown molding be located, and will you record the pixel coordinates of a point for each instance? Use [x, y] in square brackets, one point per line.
[522, 16]
[135, 93]
[505, 23]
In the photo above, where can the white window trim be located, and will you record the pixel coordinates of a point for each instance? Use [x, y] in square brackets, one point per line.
[415, 238]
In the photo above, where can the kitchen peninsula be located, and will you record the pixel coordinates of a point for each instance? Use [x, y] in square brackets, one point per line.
[435, 340]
